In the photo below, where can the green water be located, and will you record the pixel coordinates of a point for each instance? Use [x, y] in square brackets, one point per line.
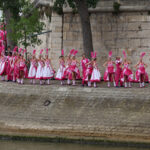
[17, 145]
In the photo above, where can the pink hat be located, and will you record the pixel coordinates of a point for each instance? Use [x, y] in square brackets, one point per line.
[93, 54]
[47, 51]
[75, 52]
[124, 54]
[20, 49]
[62, 52]
[142, 54]
[34, 51]
[41, 51]
[110, 54]
[71, 52]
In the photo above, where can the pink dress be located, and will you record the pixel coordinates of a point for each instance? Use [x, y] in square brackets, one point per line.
[48, 72]
[32, 70]
[96, 76]
[61, 70]
[40, 68]
[84, 67]
[127, 72]
[3, 65]
[88, 72]
[109, 71]
[73, 68]
[23, 67]
[141, 71]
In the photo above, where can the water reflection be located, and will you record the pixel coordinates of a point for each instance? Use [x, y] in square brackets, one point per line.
[17, 145]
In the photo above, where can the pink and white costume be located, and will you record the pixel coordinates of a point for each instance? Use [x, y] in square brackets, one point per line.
[40, 69]
[48, 72]
[96, 76]
[32, 70]
[73, 68]
[61, 70]
[3, 67]
[141, 71]
[109, 71]
[127, 72]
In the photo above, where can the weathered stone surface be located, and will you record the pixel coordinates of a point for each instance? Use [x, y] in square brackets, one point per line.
[102, 113]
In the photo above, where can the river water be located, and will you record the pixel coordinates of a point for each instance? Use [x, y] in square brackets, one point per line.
[17, 145]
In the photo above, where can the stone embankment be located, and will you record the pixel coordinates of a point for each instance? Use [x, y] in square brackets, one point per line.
[115, 114]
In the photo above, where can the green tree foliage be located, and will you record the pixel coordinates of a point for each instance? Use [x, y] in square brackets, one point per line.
[80, 6]
[58, 4]
[24, 22]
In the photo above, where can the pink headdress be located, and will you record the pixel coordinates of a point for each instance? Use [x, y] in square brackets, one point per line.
[47, 51]
[34, 51]
[74, 53]
[62, 52]
[124, 54]
[93, 54]
[15, 49]
[24, 51]
[41, 51]
[110, 54]
[142, 54]
[20, 49]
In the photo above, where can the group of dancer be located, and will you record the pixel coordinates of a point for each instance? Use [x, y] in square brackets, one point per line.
[14, 67]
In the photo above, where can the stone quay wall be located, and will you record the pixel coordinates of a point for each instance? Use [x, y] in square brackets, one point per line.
[129, 30]
[75, 112]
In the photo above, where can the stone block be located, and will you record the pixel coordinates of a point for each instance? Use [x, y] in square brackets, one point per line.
[66, 27]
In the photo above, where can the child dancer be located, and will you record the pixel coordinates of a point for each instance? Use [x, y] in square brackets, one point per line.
[48, 71]
[83, 65]
[88, 72]
[22, 68]
[127, 75]
[96, 76]
[141, 76]
[3, 65]
[40, 68]
[33, 68]
[109, 72]
[74, 72]
[118, 71]
[61, 70]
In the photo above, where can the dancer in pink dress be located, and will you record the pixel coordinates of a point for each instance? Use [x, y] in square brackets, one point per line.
[118, 71]
[73, 72]
[48, 71]
[96, 76]
[83, 65]
[67, 67]
[110, 70]
[9, 60]
[40, 68]
[61, 70]
[141, 75]
[33, 68]
[3, 64]
[88, 71]
[127, 75]
[22, 68]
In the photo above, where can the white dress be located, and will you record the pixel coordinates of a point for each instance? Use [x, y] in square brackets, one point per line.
[61, 70]
[96, 76]
[40, 68]
[32, 70]
[48, 72]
